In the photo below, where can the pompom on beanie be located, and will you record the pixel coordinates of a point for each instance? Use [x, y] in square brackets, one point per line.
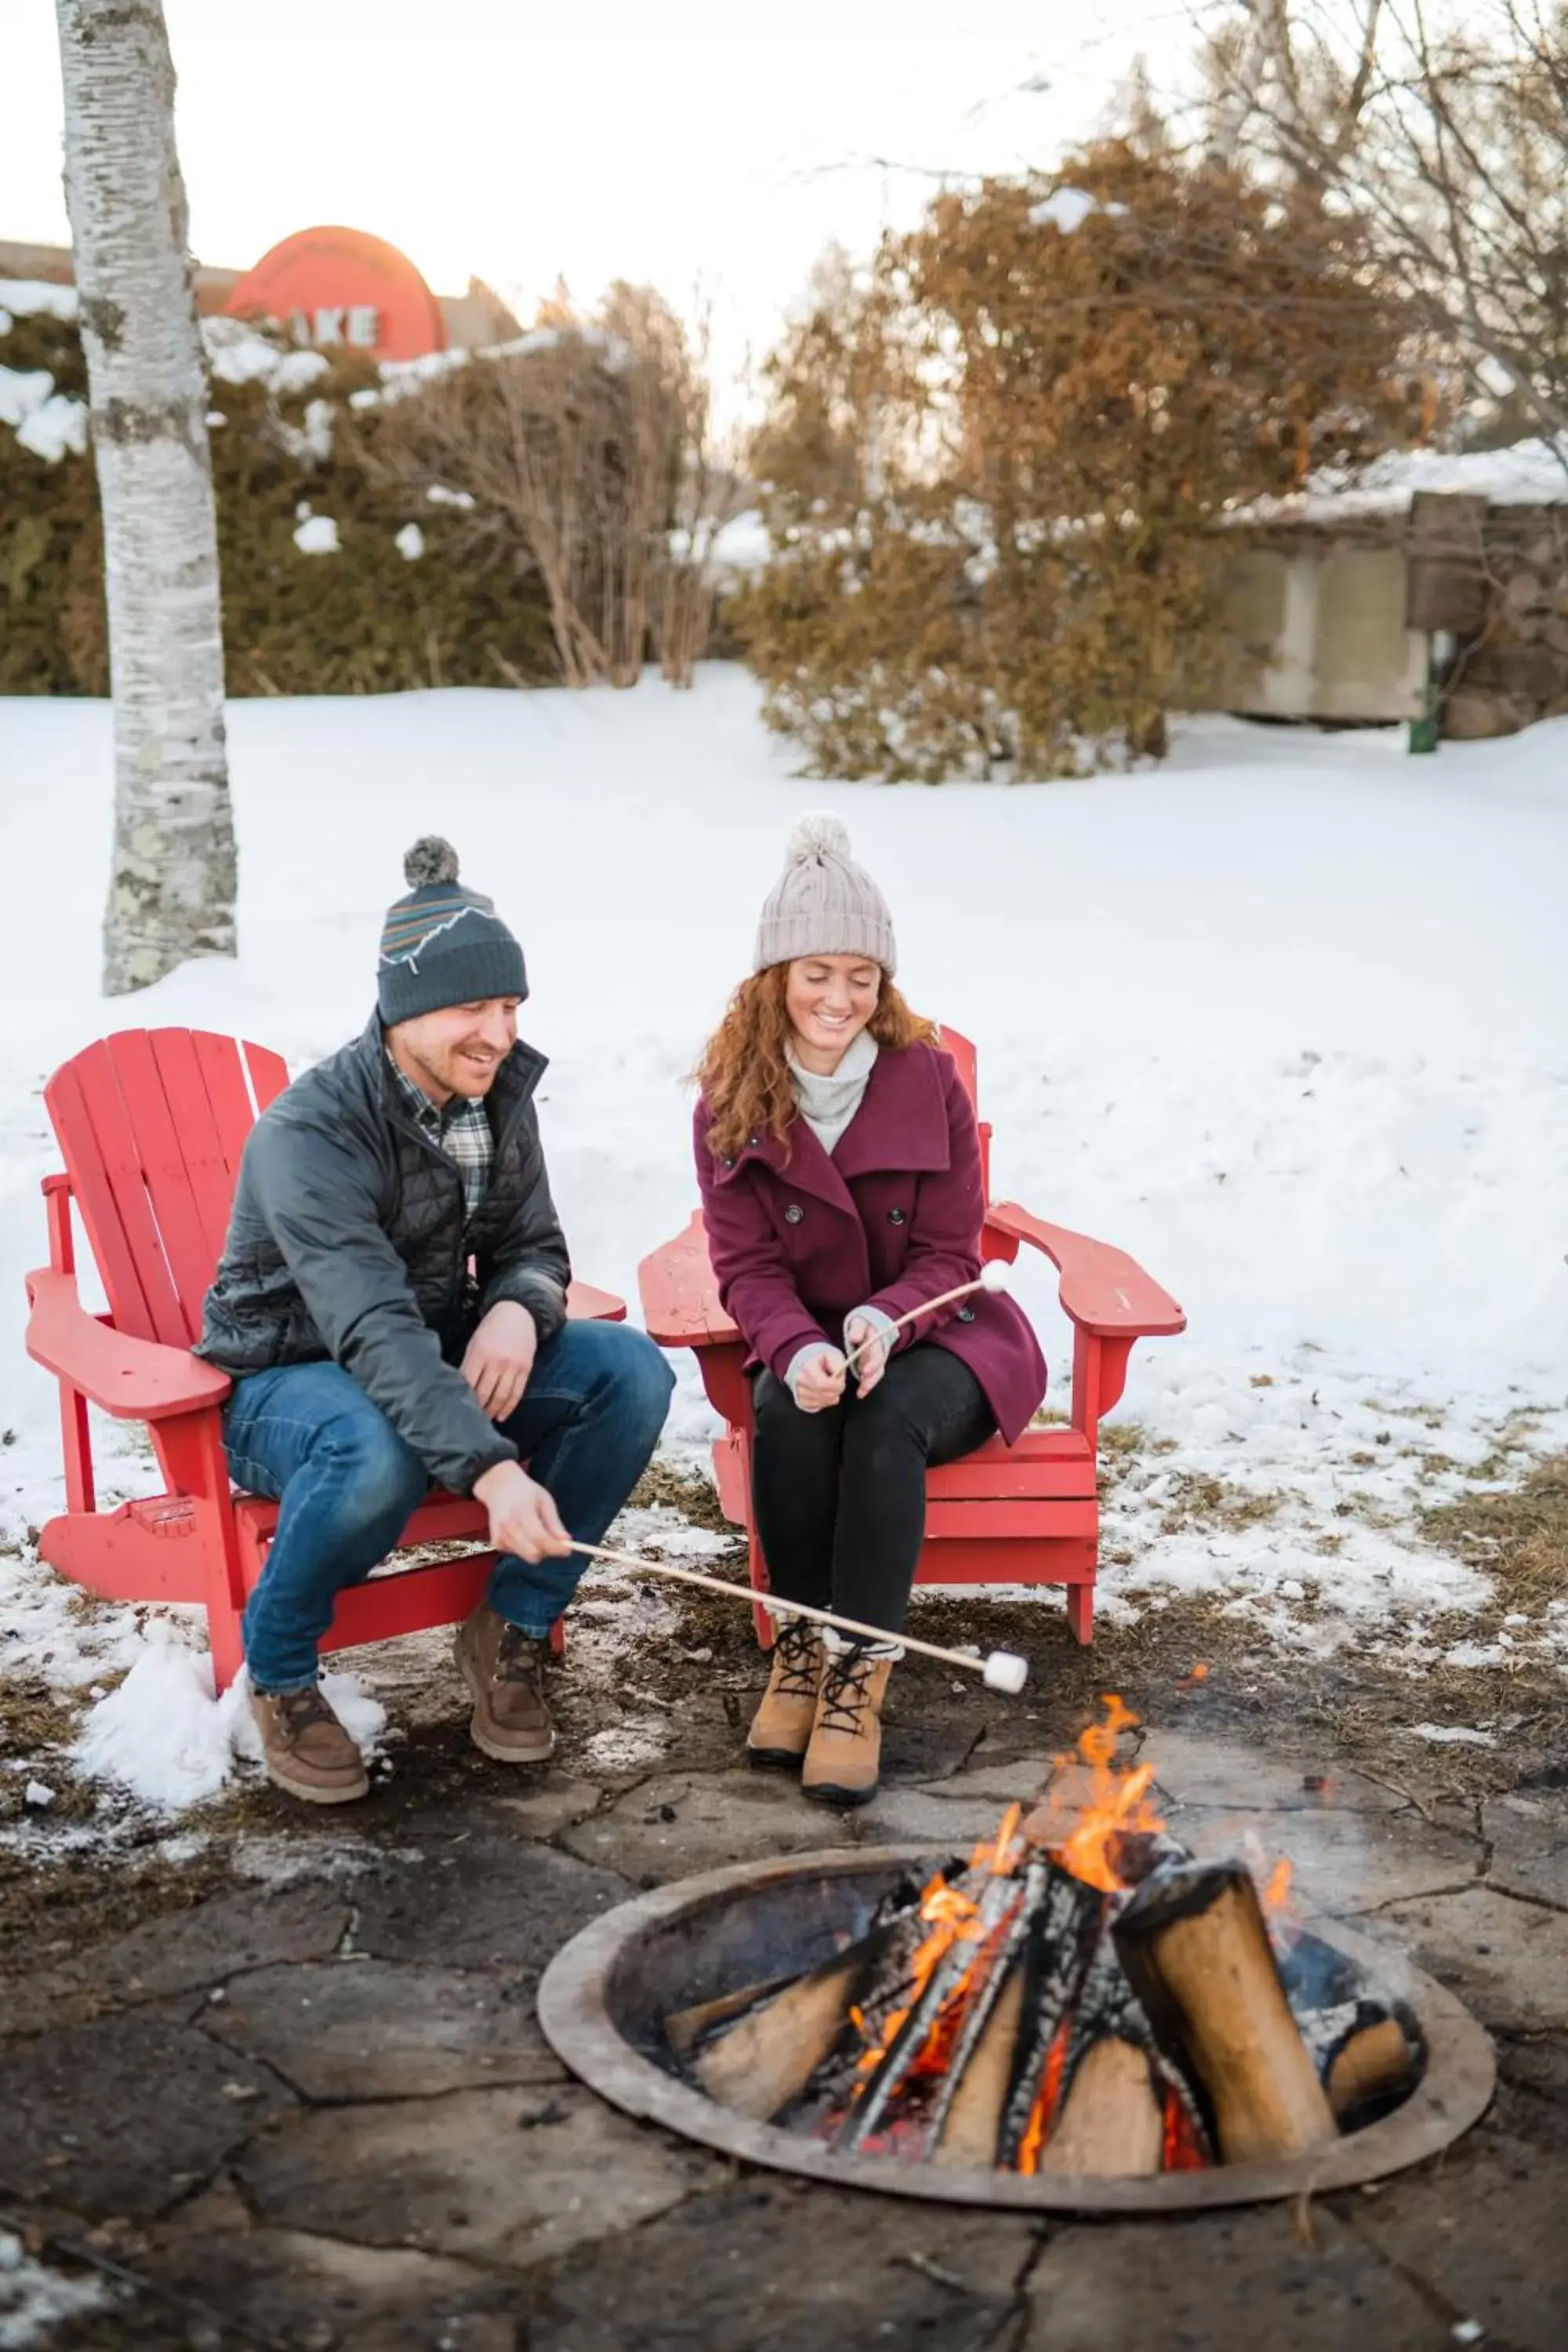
[823, 903]
[443, 944]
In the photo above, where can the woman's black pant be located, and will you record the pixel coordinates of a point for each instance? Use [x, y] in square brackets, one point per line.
[840, 1497]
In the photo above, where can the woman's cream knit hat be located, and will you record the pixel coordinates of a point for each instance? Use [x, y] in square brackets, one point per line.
[823, 903]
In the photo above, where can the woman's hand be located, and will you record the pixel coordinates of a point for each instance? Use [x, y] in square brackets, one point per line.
[819, 1381]
[872, 1337]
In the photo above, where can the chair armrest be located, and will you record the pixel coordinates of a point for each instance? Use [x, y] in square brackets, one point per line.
[134, 1379]
[679, 1295]
[1103, 1289]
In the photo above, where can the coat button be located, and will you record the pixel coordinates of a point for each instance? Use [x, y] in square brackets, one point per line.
[967, 1315]
[794, 1213]
[729, 1163]
[895, 1217]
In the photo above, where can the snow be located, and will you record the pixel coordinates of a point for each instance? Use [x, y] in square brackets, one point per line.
[23, 390]
[1451, 1735]
[440, 495]
[238, 354]
[1527, 473]
[317, 535]
[410, 542]
[1285, 1018]
[163, 1739]
[30, 298]
[1067, 209]
[46, 421]
[34, 2301]
[60, 423]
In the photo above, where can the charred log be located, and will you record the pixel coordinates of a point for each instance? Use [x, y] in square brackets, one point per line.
[1197, 1950]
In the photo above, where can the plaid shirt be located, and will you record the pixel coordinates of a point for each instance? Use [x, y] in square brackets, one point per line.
[459, 1128]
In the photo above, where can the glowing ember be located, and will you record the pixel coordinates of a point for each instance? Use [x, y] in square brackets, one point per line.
[1051, 2092]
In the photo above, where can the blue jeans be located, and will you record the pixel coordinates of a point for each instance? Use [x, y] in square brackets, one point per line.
[307, 1436]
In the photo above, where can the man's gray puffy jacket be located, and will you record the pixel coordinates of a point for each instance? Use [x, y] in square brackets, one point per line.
[348, 1243]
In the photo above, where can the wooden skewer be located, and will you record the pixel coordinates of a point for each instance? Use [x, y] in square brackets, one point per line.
[1003, 1670]
[992, 1279]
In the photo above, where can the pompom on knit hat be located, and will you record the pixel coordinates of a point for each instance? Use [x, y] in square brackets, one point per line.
[823, 903]
[443, 944]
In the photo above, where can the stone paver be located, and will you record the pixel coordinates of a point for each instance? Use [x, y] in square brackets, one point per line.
[444, 2184]
[1224, 2283]
[1484, 2229]
[1528, 1837]
[771, 2265]
[678, 1824]
[1343, 1863]
[125, 2115]
[297, 2288]
[1508, 1959]
[512, 2176]
[475, 1900]
[183, 1951]
[373, 2030]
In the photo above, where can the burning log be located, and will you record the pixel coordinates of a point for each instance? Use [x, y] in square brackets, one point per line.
[1197, 1954]
[949, 1959]
[1376, 2061]
[1111, 2119]
[967, 2127]
[684, 2028]
[768, 2058]
[1064, 1929]
[1362, 2051]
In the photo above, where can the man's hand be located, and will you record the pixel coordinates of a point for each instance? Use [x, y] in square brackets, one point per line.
[819, 1384]
[861, 1332]
[499, 1357]
[523, 1516]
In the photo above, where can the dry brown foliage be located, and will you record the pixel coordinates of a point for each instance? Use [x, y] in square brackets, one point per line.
[993, 465]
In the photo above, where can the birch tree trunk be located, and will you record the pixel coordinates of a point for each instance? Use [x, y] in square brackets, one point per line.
[172, 879]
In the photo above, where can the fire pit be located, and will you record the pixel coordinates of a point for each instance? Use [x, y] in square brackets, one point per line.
[1079, 2015]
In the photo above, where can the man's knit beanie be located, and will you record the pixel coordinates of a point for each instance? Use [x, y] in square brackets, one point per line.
[443, 945]
[823, 903]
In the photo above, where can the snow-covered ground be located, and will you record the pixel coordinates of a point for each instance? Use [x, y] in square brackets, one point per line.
[1287, 1018]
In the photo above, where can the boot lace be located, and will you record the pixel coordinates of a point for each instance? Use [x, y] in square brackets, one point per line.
[795, 1650]
[519, 1658]
[846, 1689]
[301, 1709]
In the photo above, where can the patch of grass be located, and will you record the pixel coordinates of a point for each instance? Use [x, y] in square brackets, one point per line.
[662, 1486]
[1519, 1538]
[1200, 1500]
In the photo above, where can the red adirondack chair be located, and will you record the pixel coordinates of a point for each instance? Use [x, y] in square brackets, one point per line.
[151, 1124]
[1024, 1514]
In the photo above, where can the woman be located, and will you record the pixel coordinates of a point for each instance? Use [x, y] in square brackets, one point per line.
[839, 1166]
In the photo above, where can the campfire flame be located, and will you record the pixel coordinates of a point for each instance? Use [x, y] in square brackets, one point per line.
[1093, 1822]
[1079, 1829]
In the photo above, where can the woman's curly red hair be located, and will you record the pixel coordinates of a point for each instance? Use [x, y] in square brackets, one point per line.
[743, 1072]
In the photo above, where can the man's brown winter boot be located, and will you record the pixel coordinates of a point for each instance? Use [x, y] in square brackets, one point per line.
[306, 1749]
[781, 1724]
[844, 1761]
[504, 1670]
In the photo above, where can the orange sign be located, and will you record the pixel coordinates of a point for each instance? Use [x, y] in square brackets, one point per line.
[339, 289]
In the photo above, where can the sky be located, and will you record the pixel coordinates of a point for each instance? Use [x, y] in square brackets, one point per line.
[670, 145]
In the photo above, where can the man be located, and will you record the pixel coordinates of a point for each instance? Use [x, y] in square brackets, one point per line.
[392, 1307]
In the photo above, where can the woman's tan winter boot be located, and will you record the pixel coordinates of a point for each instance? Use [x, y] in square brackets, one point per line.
[842, 1763]
[781, 1724]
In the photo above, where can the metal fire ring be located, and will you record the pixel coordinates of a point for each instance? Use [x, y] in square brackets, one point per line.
[574, 2009]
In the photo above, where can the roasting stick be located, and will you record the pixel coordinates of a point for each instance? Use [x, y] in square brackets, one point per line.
[1003, 1670]
[992, 1277]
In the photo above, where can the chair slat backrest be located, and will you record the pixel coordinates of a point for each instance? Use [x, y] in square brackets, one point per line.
[151, 1123]
[968, 1061]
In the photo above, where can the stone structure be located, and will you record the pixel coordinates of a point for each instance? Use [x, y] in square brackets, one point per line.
[1342, 609]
